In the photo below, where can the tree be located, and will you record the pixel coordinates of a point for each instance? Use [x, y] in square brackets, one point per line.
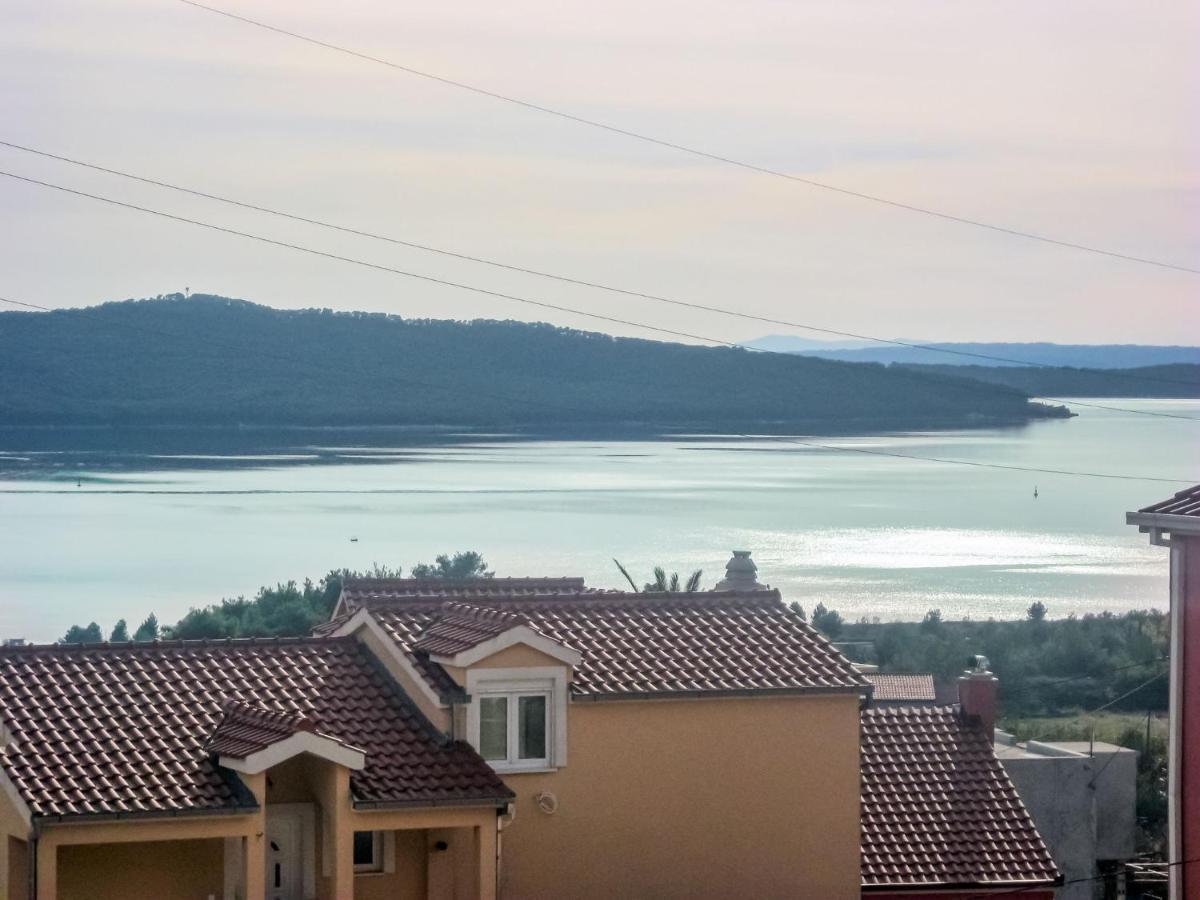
[664, 583]
[120, 632]
[90, 634]
[148, 630]
[467, 564]
[795, 607]
[1036, 611]
[932, 620]
[828, 621]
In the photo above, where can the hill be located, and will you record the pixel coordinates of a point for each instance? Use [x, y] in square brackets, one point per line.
[1179, 380]
[1088, 356]
[215, 361]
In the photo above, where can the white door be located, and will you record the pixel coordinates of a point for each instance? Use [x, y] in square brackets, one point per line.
[285, 859]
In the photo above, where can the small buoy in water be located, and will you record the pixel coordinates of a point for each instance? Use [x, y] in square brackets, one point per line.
[1035, 492]
[354, 540]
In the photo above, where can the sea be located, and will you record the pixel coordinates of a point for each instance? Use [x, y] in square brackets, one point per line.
[103, 524]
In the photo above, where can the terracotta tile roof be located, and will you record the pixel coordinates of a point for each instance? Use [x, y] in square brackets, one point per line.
[1184, 503]
[122, 729]
[357, 591]
[891, 687]
[461, 626]
[245, 729]
[657, 643]
[938, 808]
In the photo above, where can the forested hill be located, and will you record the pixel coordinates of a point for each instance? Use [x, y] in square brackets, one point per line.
[214, 361]
[1179, 380]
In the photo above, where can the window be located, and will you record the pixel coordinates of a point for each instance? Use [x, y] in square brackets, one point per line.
[517, 717]
[368, 851]
[513, 728]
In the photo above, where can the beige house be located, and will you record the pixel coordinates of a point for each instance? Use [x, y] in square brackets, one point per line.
[515, 738]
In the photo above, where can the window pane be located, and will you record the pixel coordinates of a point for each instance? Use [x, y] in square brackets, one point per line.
[532, 725]
[364, 848]
[493, 727]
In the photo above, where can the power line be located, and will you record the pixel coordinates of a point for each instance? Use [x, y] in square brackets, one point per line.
[798, 441]
[901, 371]
[1058, 681]
[1025, 887]
[567, 279]
[703, 154]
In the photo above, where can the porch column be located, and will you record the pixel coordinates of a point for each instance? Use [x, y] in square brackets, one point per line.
[254, 866]
[486, 841]
[337, 845]
[47, 871]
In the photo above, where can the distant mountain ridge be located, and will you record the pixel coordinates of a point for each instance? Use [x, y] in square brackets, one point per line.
[215, 361]
[1084, 356]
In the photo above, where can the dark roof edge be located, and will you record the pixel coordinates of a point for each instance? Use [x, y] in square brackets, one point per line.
[1165, 521]
[959, 886]
[179, 813]
[716, 694]
[475, 802]
[179, 644]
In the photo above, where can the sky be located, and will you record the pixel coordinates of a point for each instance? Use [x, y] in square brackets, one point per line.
[1078, 119]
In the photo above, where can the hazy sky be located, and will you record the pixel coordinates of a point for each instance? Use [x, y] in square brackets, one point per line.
[1077, 119]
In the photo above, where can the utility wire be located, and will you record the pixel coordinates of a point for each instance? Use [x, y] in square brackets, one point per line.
[567, 279]
[797, 441]
[703, 154]
[1025, 887]
[491, 293]
[1058, 681]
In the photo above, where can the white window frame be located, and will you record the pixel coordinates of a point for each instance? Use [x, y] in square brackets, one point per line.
[376, 866]
[547, 681]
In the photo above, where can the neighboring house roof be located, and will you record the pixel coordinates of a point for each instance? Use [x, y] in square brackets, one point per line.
[357, 591]
[1184, 503]
[938, 809]
[134, 729]
[641, 644]
[893, 688]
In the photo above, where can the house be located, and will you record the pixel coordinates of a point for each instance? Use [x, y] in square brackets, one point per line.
[940, 817]
[659, 745]
[242, 768]
[1175, 523]
[522, 738]
[1083, 798]
[893, 689]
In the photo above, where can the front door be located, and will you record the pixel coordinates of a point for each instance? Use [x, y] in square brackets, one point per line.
[285, 860]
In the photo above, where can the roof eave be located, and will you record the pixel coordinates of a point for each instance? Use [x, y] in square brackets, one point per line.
[1164, 522]
[856, 690]
[456, 802]
[959, 886]
[117, 816]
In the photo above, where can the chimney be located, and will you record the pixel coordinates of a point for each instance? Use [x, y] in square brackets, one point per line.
[740, 574]
[977, 696]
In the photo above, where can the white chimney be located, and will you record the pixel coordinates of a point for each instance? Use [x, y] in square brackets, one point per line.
[740, 574]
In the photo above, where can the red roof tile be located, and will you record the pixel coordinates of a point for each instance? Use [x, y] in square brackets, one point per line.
[357, 591]
[897, 688]
[657, 643]
[245, 729]
[461, 626]
[938, 808]
[103, 729]
[1184, 503]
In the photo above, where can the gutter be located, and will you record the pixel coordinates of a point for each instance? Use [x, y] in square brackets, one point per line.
[485, 803]
[1164, 522]
[84, 818]
[957, 888]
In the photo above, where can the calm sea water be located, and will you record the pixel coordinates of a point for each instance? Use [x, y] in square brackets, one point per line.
[101, 530]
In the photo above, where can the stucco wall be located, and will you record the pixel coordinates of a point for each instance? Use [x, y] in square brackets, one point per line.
[684, 798]
[407, 882]
[164, 870]
[14, 851]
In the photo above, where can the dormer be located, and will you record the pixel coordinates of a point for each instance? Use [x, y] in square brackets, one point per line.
[517, 681]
